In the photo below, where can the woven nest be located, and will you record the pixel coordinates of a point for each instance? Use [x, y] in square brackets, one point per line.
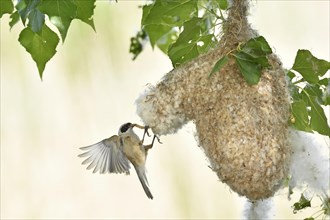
[242, 128]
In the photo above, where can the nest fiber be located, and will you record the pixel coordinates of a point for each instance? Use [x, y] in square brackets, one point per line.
[241, 128]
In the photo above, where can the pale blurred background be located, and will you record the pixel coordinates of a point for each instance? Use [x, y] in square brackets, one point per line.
[88, 91]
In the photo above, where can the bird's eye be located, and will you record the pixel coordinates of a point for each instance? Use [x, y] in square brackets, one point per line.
[125, 127]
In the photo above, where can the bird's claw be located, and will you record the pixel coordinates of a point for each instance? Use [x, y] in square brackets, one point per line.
[146, 128]
[158, 139]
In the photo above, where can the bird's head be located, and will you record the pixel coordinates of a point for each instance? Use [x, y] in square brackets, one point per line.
[125, 128]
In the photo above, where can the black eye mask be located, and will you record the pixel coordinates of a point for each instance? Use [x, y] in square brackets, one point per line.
[125, 127]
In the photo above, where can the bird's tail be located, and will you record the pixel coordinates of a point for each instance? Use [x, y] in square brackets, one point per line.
[144, 181]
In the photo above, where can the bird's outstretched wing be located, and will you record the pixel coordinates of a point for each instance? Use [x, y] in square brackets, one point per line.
[106, 156]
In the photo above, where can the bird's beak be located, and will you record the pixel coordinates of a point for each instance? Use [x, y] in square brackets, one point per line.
[136, 125]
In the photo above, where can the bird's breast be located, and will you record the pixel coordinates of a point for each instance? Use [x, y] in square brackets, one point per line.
[133, 151]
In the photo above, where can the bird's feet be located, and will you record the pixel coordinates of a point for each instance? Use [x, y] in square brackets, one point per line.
[145, 132]
[148, 147]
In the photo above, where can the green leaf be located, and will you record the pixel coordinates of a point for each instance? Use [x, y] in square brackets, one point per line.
[326, 206]
[190, 39]
[311, 90]
[85, 11]
[326, 93]
[191, 29]
[258, 60]
[291, 74]
[14, 19]
[174, 12]
[156, 32]
[182, 53]
[25, 7]
[325, 82]
[255, 50]
[205, 42]
[295, 92]
[223, 4]
[251, 58]
[160, 18]
[36, 20]
[219, 64]
[309, 66]
[166, 40]
[41, 46]
[136, 46]
[6, 7]
[257, 47]
[326, 99]
[145, 13]
[300, 120]
[318, 118]
[251, 71]
[60, 13]
[301, 204]
[309, 218]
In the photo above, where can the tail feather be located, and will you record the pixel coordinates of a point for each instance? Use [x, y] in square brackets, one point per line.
[144, 181]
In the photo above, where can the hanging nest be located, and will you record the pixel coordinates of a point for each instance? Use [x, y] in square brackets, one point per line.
[243, 129]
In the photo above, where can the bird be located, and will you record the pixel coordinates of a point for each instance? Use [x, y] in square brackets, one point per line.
[114, 154]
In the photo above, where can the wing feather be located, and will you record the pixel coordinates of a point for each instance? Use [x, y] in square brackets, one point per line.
[106, 156]
[99, 159]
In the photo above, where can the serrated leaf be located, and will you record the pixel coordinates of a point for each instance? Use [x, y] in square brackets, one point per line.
[250, 70]
[318, 118]
[160, 18]
[85, 11]
[60, 13]
[309, 66]
[14, 19]
[189, 40]
[36, 20]
[300, 119]
[223, 4]
[171, 12]
[6, 7]
[257, 47]
[145, 12]
[251, 58]
[219, 64]
[301, 204]
[41, 46]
